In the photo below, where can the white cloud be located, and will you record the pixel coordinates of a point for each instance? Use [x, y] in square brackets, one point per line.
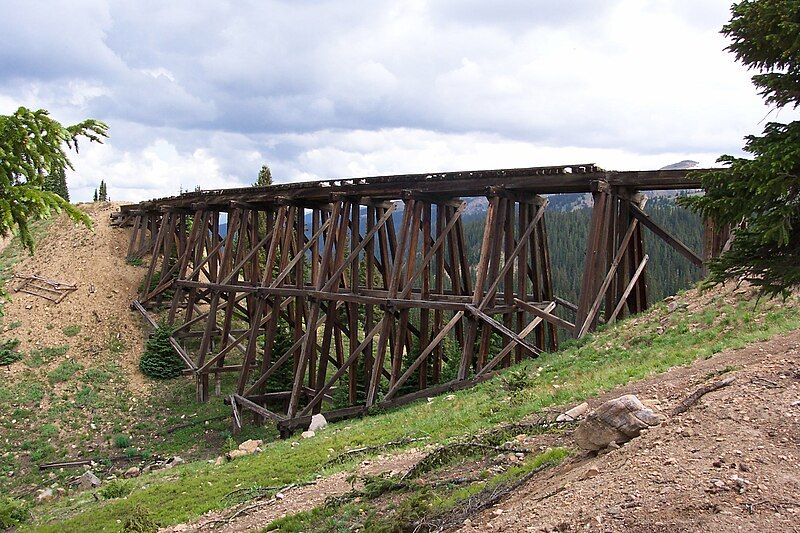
[203, 93]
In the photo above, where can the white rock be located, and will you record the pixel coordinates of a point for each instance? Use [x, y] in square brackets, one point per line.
[235, 454]
[44, 495]
[308, 434]
[317, 422]
[574, 413]
[250, 446]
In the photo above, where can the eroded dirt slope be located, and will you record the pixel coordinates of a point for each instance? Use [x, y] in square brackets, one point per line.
[94, 260]
[731, 463]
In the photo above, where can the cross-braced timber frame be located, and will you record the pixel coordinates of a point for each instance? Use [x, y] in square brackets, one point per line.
[372, 279]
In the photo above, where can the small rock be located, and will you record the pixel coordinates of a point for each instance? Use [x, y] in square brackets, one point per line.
[45, 495]
[174, 461]
[250, 446]
[220, 460]
[591, 472]
[450, 397]
[308, 434]
[317, 422]
[132, 472]
[574, 413]
[279, 496]
[88, 480]
[235, 454]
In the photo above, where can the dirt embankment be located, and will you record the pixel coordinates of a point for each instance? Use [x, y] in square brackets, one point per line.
[730, 463]
[94, 260]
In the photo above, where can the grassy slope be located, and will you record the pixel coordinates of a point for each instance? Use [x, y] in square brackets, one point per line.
[628, 351]
[54, 408]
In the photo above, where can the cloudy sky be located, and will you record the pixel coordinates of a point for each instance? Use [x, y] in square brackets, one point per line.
[205, 92]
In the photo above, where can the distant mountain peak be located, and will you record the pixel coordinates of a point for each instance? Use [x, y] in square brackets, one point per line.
[681, 165]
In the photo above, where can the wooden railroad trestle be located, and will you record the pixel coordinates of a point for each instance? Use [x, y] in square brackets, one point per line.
[372, 279]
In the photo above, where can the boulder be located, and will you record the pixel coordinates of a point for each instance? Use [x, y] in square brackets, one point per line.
[250, 446]
[88, 480]
[175, 461]
[235, 454]
[618, 421]
[574, 413]
[317, 422]
[132, 472]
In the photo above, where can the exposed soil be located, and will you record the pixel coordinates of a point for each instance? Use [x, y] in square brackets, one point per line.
[301, 498]
[730, 463]
[94, 260]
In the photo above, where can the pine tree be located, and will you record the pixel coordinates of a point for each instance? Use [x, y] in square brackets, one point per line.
[159, 360]
[56, 182]
[762, 195]
[32, 147]
[95, 195]
[103, 194]
[264, 177]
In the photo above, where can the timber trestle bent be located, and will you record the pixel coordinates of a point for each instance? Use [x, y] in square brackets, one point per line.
[340, 296]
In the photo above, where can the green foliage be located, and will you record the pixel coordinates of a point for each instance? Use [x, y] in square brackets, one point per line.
[159, 360]
[9, 353]
[264, 177]
[64, 371]
[515, 380]
[115, 489]
[32, 148]
[762, 195]
[102, 193]
[57, 182]
[122, 441]
[42, 356]
[71, 331]
[13, 512]
[140, 521]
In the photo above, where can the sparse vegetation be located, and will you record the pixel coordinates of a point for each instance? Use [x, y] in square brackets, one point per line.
[122, 441]
[71, 331]
[9, 353]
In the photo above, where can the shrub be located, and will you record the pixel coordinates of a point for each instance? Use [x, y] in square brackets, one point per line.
[122, 441]
[140, 520]
[160, 360]
[13, 512]
[71, 331]
[9, 353]
[515, 380]
[115, 489]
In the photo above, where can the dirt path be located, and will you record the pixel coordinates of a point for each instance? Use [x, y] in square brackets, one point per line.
[300, 499]
[731, 463]
[94, 260]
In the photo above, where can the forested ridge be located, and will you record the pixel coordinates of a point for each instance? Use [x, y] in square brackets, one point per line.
[667, 271]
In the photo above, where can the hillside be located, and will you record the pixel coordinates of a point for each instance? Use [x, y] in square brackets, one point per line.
[76, 391]
[79, 395]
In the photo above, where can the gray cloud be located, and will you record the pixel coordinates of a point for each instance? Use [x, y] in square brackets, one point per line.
[230, 84]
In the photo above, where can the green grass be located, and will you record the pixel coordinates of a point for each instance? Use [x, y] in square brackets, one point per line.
[628, 351]
[71, 331]
[64, 371]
